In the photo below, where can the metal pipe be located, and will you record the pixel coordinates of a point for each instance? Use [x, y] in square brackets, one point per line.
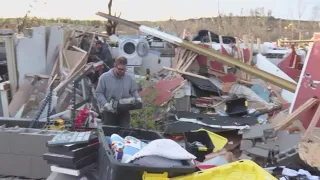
[206, 52]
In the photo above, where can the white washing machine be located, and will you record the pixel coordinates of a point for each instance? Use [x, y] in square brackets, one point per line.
[134, 50]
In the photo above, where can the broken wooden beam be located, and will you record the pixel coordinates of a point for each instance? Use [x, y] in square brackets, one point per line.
[206, 52]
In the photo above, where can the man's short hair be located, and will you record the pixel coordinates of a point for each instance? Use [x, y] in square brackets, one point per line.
[121, 60]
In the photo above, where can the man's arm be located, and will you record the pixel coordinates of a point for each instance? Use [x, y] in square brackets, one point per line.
[100, 91]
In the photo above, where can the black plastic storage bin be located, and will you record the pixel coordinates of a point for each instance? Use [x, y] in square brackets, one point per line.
[111, 169]
[200, 136]
[236, 107]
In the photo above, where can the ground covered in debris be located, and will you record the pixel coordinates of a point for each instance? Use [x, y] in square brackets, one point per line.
[260, 113]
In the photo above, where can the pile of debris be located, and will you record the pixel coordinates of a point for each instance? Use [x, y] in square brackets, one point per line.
[71, 61]
[230, 90]
[218, 93]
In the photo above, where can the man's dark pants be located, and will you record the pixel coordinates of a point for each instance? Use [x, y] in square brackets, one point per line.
[121, 119]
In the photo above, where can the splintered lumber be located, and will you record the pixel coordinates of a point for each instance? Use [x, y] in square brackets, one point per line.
[78, 67]
[184, 59]
[185, 73]
[189, 61]
[312, 125]
[295, 114]
[176, 57]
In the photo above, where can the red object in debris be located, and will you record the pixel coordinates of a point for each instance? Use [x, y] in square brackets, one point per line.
[215, 66]
[292, 60]
[316, 36]
[246, 55]
[82, 116]
[291, 72]
[161, 97]
[229, 78]
[224, 51]
[291, 65]
[202, 60]
[168, 84]
[164, 88]
[308, 86]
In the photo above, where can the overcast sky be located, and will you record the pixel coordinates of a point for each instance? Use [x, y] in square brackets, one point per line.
[154, 10]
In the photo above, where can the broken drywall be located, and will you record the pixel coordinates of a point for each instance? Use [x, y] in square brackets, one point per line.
[55, 39]
[31, 53]
[264, 64]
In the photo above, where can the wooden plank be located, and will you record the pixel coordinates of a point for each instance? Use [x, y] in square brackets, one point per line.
[259, 45]
[68, 40]
[55, 70]
[312, 124]
[79, 49]
[183, 59]
[190, 61]
[250, 57]
[92, 41]
[66, 59]
[22, 96]
[65, 83]
[176, 57]
[295, 114]
[186, 73]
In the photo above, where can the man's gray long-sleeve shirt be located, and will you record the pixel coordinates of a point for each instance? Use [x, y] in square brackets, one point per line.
[110, 87]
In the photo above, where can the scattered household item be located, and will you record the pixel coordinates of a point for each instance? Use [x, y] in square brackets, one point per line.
[198, 144]
[126, 104]
[70, 138]
[114, 170]
[236, 107]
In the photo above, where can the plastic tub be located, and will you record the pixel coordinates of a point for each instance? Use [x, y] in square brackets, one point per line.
[237, 107]
[111, 169]
[202, 137]
[239, 170]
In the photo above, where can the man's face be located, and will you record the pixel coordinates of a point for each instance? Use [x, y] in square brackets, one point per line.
[120, 70]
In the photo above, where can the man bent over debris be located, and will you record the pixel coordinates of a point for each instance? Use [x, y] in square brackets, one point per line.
[113, 86]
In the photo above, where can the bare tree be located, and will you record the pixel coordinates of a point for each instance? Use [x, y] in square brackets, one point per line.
[221, 28]
[301, 9]
[111, 26]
